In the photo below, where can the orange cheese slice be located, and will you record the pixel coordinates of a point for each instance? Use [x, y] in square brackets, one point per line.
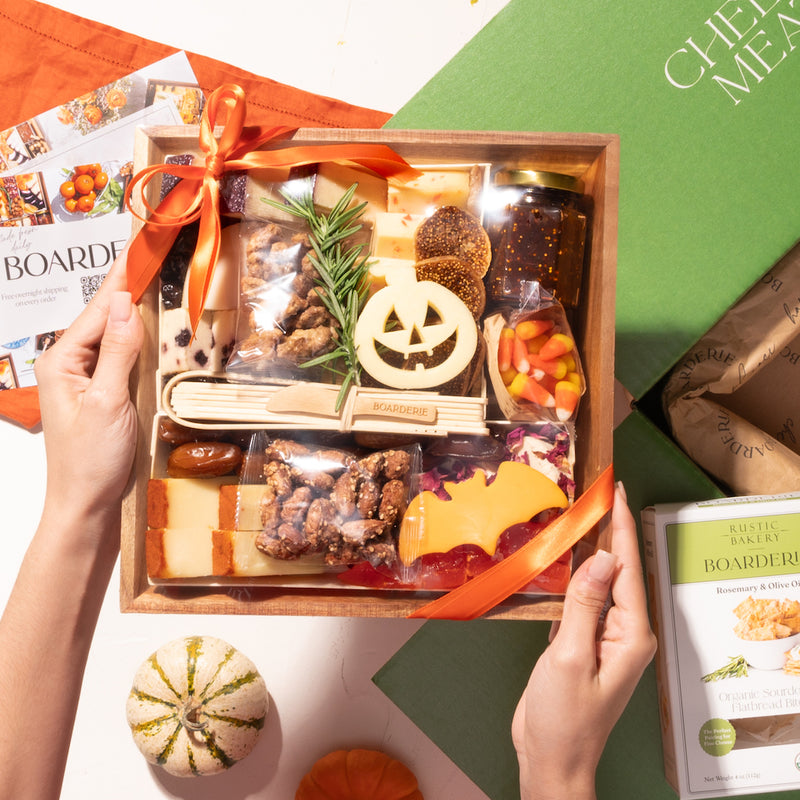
[476, 513]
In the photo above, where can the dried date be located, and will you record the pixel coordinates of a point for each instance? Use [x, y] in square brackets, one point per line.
[203, 460]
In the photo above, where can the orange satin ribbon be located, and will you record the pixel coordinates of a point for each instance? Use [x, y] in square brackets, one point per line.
[485, 591]
[196, 195]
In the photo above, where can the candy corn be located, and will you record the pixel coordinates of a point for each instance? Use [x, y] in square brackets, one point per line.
[530, 328]
[566, 399]
[536, 393]
[505, 349]
[519, 356]
[556, 346]
[556, 367]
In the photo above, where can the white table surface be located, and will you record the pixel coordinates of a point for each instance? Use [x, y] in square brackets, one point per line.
[318, 670]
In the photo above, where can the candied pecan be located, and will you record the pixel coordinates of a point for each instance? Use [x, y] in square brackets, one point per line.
[302, 284]
[253, 287]
[359, 531]
[397, 464]
[263, 238]
[285, 316]
[369, 496]
[295, 507]
[302, 345]
[283, 258]
[343, 495]
[270, 510]
[302, 239]
[259, 344]
[285, 449]
[393, 501]
[376, 551]
[315, 296]
[312, 317]
[279, 478]
[320, 526]
[286, 542]
[371, 465]
[307, 268]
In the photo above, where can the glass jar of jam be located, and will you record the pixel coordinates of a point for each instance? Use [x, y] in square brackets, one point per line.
[538, 233]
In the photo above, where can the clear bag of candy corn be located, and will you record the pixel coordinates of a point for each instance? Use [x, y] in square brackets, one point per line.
[533, 361]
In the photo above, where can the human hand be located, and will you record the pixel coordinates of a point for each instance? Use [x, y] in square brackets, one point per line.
[585, 678]
[88, 419]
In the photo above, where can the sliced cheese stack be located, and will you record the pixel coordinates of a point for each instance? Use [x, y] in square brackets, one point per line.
[196, 528]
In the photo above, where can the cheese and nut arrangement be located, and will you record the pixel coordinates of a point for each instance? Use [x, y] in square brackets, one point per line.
[358, 405]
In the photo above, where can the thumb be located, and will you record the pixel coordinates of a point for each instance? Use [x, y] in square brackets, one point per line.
[585, 599]
[120, 345]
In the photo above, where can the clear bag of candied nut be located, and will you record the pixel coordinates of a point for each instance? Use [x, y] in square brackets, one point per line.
[283, 322]
[343, 504]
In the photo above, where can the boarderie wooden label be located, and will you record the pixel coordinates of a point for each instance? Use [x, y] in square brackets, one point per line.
[397, 409]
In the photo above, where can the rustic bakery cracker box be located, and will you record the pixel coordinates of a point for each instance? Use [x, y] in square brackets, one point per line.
[724, 584]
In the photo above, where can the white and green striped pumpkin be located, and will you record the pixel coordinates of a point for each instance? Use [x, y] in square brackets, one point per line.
[197, 706]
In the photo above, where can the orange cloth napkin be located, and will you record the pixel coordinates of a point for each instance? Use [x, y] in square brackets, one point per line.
[50, 56]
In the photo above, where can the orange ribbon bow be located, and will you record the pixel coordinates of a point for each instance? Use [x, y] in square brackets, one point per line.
[196, 196]
[483, 592]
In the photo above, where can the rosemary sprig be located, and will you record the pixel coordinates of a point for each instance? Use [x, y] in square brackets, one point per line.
[342, 276]
[735, 668]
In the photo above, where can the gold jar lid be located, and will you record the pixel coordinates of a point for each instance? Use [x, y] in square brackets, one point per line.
[532, 177]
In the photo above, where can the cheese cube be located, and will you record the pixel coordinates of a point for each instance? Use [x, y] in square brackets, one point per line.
[179, 553]
[382, 268]
[240, 507]
[333, 180]
[208, 349]
[393, 235]
[185, 502]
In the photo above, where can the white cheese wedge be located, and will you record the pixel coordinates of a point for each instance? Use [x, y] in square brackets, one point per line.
[434, 188]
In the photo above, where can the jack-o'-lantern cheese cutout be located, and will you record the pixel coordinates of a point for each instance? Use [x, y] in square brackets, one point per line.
[408, 318]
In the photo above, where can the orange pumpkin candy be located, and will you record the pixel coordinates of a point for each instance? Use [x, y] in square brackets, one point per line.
[358, 775]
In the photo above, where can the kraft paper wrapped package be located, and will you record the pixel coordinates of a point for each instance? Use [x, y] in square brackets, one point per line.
[732, 400]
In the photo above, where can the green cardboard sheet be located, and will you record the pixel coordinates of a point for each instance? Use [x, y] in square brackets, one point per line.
[709, 174]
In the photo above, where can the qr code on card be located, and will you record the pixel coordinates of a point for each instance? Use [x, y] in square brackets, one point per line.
[89, 285]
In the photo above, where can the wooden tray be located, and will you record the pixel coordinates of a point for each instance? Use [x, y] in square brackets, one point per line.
[592, 157]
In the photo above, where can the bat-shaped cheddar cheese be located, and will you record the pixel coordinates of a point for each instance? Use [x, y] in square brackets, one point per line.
[476, 513]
